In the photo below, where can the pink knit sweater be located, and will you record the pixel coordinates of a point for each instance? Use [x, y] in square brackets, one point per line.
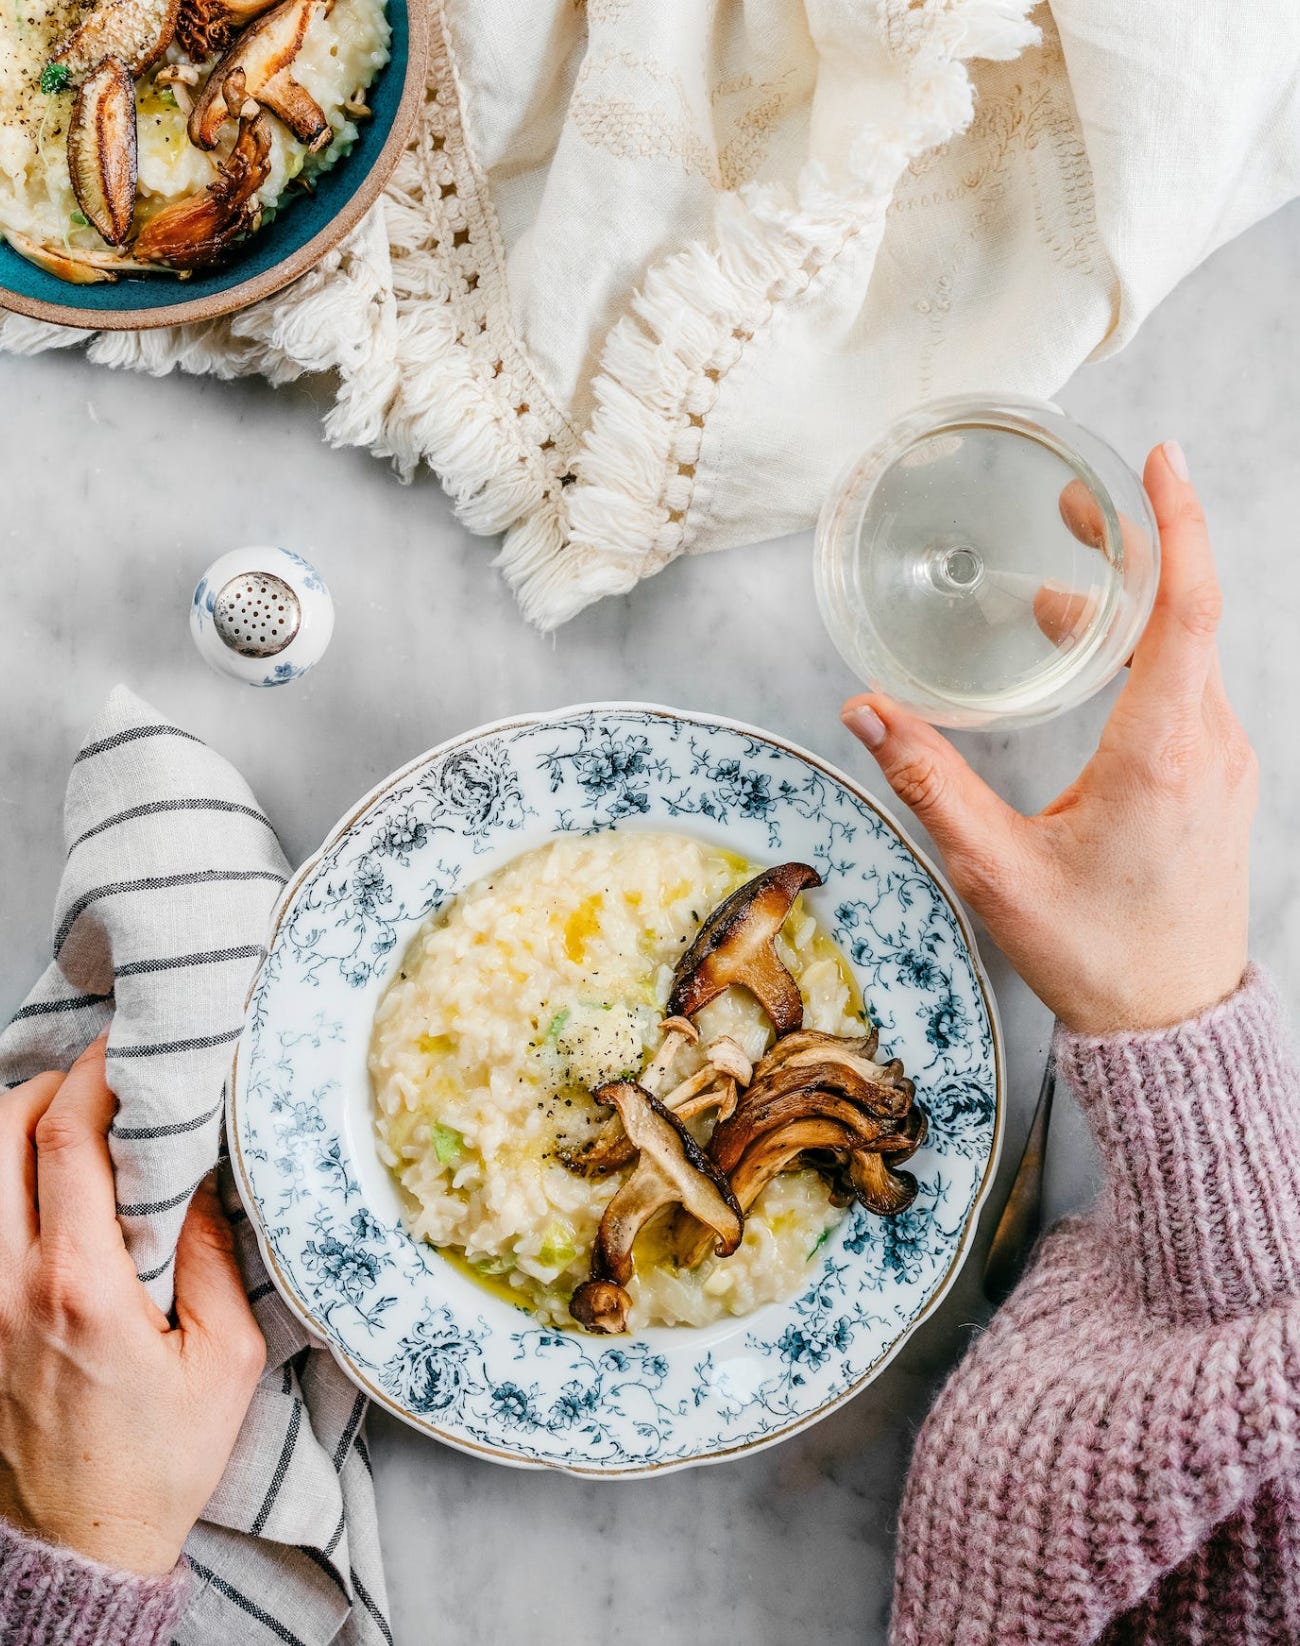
[53, 1597]
[1118, 1457]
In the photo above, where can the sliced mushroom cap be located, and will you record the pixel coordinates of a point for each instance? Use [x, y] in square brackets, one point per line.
[806, 1040]
[852, 1078]
[600, 1306]
[737, 945]
[197, 231]
[264, 54]
[823, 1100]
[776, 1151]
[878, 1186]
[728, 1057]
[647, 1191]
[671, 1169]
[136, 32]
[850, 1149]
[833, 1127]
[837, 1065]
[77, 267]
[208, 26]
[74, 267]
[734, 1137]
[905, 1136]
[766, 1158]
[102, 160]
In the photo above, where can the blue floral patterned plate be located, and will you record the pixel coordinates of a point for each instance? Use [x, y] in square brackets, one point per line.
[418, 1335]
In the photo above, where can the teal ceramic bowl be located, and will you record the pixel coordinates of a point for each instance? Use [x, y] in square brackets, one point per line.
[291, 244]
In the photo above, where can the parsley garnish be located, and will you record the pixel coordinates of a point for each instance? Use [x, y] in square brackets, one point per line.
[54, 77]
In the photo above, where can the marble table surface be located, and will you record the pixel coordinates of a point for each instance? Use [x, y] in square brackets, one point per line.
[118, 492]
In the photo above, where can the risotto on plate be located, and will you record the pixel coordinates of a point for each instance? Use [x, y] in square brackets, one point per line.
[539, 984]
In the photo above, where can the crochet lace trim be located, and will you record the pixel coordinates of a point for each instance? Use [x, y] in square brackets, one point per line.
[589, 514]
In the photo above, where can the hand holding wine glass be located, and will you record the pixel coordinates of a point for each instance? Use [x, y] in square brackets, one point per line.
[1124, 903]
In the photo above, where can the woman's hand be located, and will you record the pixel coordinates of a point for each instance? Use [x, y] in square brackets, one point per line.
[114, 1425]
[1124, 903]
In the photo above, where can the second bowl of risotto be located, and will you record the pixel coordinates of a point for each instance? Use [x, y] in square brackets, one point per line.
[168, 161]
[619, 1090]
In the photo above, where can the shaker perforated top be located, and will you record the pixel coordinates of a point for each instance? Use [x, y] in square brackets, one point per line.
[261, 615]
[257, 614]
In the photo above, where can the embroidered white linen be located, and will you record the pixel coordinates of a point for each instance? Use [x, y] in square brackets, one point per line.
[654, 270]
[164, 906]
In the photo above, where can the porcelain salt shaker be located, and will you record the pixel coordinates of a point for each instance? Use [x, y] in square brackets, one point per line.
[262, 615]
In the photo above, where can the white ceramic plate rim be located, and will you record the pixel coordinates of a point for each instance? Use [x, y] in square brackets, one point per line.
[298, 1307]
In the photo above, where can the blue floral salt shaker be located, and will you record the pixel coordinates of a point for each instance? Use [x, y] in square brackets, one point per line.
[262, 615]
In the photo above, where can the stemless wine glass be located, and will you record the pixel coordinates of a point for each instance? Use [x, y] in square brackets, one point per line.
[987, 562]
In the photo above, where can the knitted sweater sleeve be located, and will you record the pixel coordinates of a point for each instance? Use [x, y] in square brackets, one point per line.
[1143, 1383]
[56, 1597]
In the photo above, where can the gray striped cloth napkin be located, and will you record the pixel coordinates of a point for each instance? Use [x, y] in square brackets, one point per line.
[172, 874]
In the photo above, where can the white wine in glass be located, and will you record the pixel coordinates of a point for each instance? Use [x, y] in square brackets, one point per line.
[987, 561]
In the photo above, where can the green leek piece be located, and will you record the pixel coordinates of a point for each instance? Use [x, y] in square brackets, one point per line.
[448, 1145]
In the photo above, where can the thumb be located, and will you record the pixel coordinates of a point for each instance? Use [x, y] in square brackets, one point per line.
[977, 833]
[211, 1306]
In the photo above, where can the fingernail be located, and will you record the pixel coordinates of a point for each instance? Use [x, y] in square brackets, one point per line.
[1176, 458]
[865, 724]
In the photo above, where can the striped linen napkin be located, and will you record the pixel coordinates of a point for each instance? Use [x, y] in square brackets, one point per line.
[171, 877]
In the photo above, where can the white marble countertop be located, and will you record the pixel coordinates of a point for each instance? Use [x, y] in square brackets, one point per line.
[119, 490]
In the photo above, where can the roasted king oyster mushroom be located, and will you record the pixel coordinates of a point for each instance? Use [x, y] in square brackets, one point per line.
[813, 1099]
[195, 231]
[102, 149]
[821, 1100]
[671, 1170]
[737, 945]
[135, 32]
[263, 55]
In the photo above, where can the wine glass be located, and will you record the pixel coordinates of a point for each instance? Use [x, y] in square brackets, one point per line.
[987, 562]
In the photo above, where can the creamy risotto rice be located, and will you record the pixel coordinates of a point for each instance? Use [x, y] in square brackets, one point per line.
[540, 982]
[342, 52]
